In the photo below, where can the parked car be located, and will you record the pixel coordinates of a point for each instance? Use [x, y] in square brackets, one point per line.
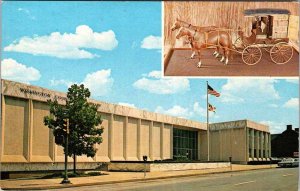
[289, 162]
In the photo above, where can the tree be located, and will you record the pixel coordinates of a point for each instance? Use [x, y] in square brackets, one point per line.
[83, 119]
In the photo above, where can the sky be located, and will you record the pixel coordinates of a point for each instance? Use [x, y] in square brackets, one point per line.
[114, 49]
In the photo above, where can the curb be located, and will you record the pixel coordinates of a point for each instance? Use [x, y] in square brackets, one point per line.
[126, 181]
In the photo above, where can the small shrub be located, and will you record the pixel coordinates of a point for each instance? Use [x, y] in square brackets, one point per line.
[94, 173]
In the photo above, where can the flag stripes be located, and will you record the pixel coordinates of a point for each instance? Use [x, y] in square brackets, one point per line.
[211, 91]
[211, 108]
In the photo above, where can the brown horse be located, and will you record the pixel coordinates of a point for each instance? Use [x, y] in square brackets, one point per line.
[179, 23]
[201, 40]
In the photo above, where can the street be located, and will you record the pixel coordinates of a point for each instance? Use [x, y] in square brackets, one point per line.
[180, 64]
[285, 179]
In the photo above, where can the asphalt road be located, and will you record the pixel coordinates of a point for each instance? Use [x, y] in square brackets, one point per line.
[285, 179]
[180, 64]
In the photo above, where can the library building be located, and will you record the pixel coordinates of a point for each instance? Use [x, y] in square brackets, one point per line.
[129, 134]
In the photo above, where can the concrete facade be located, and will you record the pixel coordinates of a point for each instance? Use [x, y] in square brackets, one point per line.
[129, 133]
[243, 140]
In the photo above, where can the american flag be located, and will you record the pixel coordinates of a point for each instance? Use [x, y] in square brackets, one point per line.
[211, 91]
[211, 108]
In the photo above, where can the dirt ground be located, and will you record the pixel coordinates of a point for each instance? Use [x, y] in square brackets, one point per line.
[180, 64]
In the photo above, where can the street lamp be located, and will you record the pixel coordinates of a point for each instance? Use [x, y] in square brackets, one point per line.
[66, 180]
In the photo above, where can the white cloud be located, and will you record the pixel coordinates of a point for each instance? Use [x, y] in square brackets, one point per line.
[27, 12]
[12, 70]
[273, 105]
[127, 104]
[240, 90]
[67, 83]
[99, 82]
[151, 42]
[275, 127]
[66, 45]
[176, 111]
[155, 74]
[153, 83]
[198, 110]
[201, 111]
[294, 81]
[292, 103]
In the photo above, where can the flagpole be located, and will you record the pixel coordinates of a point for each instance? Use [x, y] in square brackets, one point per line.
[207, 120]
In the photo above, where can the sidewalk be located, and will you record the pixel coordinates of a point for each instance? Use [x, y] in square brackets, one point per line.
[116, 177]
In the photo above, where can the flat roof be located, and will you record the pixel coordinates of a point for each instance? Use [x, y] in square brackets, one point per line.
[25, 91]
[239, 124]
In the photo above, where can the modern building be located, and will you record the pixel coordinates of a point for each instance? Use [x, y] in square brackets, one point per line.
[129, 133]
[244, 141]
[286, 144]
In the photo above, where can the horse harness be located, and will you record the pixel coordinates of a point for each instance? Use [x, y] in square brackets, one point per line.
[206, 37]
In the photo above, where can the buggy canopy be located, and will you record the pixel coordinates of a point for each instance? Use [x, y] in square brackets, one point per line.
[262, 12]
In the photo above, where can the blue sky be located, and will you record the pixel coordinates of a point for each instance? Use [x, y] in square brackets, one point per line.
[114, 48]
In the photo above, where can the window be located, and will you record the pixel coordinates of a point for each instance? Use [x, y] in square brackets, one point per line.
[185, 144]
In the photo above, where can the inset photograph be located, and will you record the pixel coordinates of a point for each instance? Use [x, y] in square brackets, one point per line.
[226, 39]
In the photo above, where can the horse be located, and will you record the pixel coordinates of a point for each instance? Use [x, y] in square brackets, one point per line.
[179, 23]
[201, 40]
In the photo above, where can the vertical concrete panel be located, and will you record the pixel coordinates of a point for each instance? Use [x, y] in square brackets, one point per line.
[145, 138]
[256, 133]
[131, 142]
[42, 137]
[261, 145]
[2, 126]
[238, 144]
[171, 142]
[151, 141]
[118, 138]
[215, 146]
[102, 152]
[167, 141]
[110, 135]
[247, 144]
[139, 140]
[15, 134]
[266, 144]
[252, 143]
[270, 151]
[202, 138]
[156, 140]
[162, 141]
[226, 144]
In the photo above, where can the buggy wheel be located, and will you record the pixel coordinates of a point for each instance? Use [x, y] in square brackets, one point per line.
[281, 53]
[251, 55]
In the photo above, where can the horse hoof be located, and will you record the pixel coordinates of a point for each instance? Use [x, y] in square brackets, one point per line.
[193, 55]
[226, 62]
[199, 65]
[222, 59]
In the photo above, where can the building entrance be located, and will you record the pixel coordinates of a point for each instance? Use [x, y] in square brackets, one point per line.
[185, 144]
